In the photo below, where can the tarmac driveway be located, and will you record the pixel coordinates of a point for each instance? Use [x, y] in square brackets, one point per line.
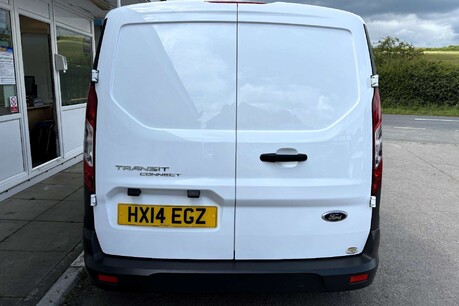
[419, 245]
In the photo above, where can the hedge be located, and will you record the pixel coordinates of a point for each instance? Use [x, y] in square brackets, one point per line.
[418, 82]
[408, 79]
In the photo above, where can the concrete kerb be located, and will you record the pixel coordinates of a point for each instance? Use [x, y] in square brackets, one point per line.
[65, 283]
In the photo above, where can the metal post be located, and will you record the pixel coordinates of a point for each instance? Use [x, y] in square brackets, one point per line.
[118, 3]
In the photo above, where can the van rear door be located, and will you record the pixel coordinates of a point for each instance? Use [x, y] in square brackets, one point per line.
[165, 136]
[303, 91]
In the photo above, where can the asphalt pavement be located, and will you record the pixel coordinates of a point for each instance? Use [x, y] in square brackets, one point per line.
[421, 128]
[40, 232]
[419, 250]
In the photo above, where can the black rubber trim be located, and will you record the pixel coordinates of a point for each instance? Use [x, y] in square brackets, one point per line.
[88, 215]
[99, 45]
[375, 212]
[329, 274]
[370, 50]
[274, 157]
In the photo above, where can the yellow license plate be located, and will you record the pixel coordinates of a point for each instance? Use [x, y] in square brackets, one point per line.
[167, 215]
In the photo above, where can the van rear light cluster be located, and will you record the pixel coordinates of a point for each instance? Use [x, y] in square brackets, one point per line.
[377, 144]
[89, 140]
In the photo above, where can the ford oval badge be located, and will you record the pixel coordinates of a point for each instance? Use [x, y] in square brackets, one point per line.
[334, 216]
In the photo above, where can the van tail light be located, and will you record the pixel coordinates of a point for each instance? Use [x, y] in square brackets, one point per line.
[89, 140]
[377, 144]
[107, 278]
[358, 278]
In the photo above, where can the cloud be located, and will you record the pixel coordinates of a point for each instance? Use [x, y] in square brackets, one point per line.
[429, 30]
[368, 8]
[424, 23]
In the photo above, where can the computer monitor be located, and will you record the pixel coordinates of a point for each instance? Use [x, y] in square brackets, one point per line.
[31, 87]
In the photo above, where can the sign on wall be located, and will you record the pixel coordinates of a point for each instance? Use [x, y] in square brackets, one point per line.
[14, 104]
[7, 66]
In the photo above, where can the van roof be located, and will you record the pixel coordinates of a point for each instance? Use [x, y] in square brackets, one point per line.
[146, 11]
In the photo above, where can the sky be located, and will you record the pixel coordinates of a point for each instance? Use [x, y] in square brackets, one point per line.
[423, 23]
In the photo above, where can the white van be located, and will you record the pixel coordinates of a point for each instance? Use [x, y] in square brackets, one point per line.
[233, 142]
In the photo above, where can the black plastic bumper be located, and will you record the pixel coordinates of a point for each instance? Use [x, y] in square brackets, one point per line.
[330, 274]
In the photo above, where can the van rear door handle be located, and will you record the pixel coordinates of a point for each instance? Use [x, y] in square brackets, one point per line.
[274, 157]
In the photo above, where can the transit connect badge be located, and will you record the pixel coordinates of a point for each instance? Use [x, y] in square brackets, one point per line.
[148, 170]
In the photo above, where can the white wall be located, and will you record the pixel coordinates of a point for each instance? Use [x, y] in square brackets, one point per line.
[73, 130]
[71, 19]
[11, 160]
[39, 7]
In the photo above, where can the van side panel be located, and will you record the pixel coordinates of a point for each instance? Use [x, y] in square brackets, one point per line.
[166, 125]
[303, 88]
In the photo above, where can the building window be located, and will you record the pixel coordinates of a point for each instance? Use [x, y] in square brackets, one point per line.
[8, 98]
[77, 48]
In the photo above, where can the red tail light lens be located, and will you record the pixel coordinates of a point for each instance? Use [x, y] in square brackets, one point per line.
[358, 278]
[377, 143]
[107, 278]
[89, 140]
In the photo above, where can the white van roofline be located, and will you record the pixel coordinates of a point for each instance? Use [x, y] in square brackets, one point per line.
[141, 10]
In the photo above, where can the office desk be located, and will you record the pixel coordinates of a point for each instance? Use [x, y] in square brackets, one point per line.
[39, 113]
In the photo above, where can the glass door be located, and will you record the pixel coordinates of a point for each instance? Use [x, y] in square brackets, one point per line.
[39, 85]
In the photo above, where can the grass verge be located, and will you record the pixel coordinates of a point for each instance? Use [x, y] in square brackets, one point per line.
[422, 110]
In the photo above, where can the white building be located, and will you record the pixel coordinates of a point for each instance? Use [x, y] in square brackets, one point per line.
[42, 108]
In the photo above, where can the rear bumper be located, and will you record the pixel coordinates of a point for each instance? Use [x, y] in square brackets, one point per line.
[329, 274]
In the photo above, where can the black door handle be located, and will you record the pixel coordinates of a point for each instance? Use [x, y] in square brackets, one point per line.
[274, 157]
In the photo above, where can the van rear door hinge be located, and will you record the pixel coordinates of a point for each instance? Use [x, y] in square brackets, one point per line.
[373, 202]
[374, 81]
[95, 75]
[93, 201]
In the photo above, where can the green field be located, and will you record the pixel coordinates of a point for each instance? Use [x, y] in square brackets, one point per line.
[447, 57]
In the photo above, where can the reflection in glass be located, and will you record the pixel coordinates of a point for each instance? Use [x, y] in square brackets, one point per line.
[294, 77]
[179, 75]
[78, 50]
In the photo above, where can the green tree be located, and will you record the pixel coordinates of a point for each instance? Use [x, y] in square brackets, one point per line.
[392, 48]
